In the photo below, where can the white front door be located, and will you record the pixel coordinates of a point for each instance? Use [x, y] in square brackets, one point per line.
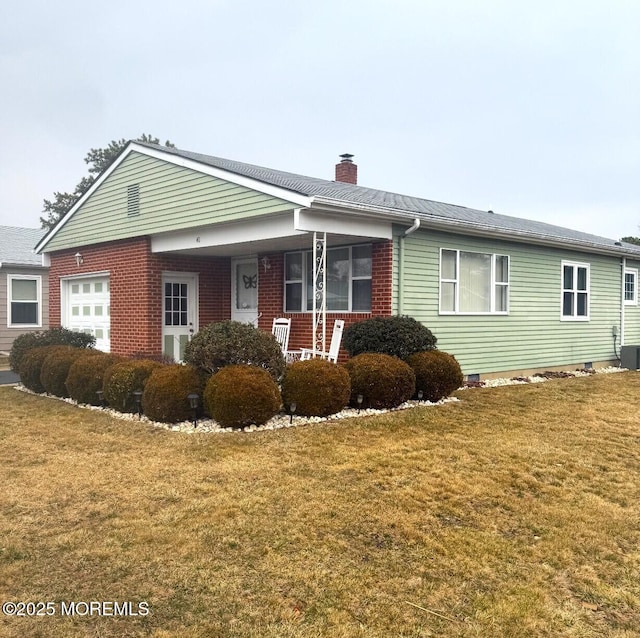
[179, 316]
[244, 290]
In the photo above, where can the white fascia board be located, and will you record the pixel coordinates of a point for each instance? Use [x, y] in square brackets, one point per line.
[226, 234]
[267, 189]
[342, 224]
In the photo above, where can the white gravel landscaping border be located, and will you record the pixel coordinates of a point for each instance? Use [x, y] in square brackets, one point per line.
[281, 421]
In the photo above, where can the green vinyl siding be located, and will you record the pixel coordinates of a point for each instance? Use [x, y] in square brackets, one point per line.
[170, 198]
[532, 335]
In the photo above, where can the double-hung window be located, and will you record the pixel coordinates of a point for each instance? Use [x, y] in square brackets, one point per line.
[575, 291]
[473, 283]
[24, 301]
[348, 280]
[631, 286]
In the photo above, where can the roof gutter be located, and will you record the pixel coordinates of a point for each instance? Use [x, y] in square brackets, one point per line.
[401, 251]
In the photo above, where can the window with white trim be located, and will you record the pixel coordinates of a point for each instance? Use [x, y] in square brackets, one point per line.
[473, 283]
[24, 301]
[349, 271]
[575, 291]
[631, 286]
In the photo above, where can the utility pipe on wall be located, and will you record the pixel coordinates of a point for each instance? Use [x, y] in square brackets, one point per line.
[416, 225]
[624, 268]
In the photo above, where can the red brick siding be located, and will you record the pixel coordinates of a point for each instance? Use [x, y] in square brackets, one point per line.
[271, 297]
[136, 289]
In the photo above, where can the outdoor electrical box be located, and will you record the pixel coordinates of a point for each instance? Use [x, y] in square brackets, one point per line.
[630, 357]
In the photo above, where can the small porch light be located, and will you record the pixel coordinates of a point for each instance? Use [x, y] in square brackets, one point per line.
[137, 395]
[79, 259]
[292, 411]
[194, 400]
[359, 399]
[266, 263]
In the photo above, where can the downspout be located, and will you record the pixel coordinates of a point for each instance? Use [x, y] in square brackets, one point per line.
[416, 225]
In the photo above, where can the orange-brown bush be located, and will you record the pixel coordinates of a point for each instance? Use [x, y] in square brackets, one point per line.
[30, 367]
[317, 387]
[55, 369]
[123, 379]
[384, 381]
[438, 374]
[86, 375]
[242, 395]
[165, 394]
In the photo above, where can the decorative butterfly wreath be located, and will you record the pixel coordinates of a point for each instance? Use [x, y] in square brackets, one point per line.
[250, 281]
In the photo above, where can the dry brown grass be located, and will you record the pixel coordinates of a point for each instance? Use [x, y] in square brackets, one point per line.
[513, 513]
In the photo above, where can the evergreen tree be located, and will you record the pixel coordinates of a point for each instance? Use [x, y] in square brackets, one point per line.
[98, 159]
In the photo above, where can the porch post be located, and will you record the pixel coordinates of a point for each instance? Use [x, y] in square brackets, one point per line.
[319, 292]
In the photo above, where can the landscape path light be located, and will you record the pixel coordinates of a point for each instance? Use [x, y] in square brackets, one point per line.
[137, 395]
[292, 411]
[194, 400]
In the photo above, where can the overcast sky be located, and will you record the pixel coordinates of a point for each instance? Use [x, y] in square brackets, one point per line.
[528, 108]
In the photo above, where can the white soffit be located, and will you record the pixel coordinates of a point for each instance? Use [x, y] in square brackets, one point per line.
[345, 224]
[225, 234]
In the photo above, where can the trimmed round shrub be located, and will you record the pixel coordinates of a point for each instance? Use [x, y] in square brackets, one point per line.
[242, 395]
[52, 337]
[438, 374]
[395, 336]
[317, 387]
[123, 379]
[31, 367]
[382, 380]
[232, 343]
[165, 394]
[55, 369]
[86, 375]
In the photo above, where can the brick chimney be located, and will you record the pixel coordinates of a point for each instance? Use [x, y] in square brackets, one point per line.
[346, 170]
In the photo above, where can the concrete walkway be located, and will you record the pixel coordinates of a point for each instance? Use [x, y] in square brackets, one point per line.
[7, 377]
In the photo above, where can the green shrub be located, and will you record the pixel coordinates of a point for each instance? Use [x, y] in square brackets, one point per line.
[395, 336]
[31, 367]
[55, 369]
[123, 379]
[382, 380]
[242, 395]
[232, 343]
[86, 375]
[438, 374]
[52, 337]
[165, 394]
[317, 387]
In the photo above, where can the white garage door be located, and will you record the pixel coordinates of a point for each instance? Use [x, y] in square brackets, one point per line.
[88, 308]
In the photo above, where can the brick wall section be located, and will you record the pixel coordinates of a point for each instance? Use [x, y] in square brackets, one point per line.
[136, 289]
[271, 298]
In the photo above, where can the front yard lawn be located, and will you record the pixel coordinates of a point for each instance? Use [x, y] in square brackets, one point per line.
[515, 512]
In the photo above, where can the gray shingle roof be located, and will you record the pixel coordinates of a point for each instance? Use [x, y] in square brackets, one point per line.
[429, 211]
[17, 245]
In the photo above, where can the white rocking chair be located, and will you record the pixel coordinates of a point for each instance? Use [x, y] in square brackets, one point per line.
[280, 329]
[334, 347]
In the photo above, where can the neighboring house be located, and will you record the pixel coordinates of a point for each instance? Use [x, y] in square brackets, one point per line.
[166, 241]
[24, 286]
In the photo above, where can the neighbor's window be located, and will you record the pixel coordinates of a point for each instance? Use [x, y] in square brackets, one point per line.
[24, 293]
[473, 283]
[631, 286]
[348, 280]
[575, 291]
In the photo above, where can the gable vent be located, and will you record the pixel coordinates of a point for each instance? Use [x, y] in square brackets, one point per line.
[133, 199]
